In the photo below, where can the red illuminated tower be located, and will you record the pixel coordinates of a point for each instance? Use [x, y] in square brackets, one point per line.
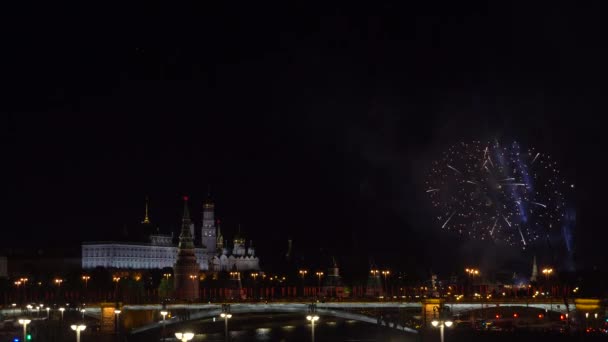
[186, 268]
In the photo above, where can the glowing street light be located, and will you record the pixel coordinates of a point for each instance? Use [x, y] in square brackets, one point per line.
[319, 276]
[226, 315]
[83, 311]
[548, 272]
[184, 337]
[164, 313]
[385, 273]
[441, 324]
[61, 310]
[472, 271]
[24, 322]
[86, 278]
[303, 273]
[58, 281]
[78, 329]
[312, 318]
[167, 275]
[48, 312]
[374, 272]
[117, 313]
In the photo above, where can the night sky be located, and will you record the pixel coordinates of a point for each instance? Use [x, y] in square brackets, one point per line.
[316, 123]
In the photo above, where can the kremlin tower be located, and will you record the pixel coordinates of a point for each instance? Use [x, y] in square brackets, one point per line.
[186, 267]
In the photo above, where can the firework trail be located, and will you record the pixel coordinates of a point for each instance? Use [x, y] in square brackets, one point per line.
[501, 192]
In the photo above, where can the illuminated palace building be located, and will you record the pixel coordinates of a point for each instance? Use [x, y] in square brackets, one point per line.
[160, 251]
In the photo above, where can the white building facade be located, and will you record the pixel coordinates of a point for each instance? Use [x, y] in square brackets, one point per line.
[161, 251]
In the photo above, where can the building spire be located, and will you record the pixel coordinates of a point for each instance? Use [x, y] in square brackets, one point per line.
[146, 218]
[534, 270]
[186, 217]
[186, 240]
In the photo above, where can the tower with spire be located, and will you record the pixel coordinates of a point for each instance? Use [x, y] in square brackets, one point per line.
[208, 235]
[534, 275]
[146, 218]
[186, 269]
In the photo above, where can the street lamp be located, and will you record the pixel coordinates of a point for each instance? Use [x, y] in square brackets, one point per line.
[184, 337]
[548, 272]
[303, 274]
[117, 313]
[58, 281]
[441, 324]
[472, 272]
[255, 275]
[24, 322]
[48, 312]
[86, 280]
[312, 318]
[226, 315]
[385, 273]
[61, 310]
[164, 313]
[78, 329]
[319, 276]
[83, 311]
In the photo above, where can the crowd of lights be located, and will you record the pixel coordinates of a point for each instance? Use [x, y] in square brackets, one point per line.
[495, 192]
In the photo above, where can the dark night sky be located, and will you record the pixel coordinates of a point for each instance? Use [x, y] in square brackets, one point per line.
[314, 123]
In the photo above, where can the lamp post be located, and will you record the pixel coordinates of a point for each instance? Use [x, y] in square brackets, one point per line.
[116, 279]
[48, 312]
[117, 313]
[24, 322]
[61, 310]
[86, 280]
[319, 276]
[312, 318]
[184, 337]
[164, 314]
[472, 272]
[385, 273]
[548, 272]
[78, 329]
[441, 325]
[226, 315]
[374, 273]
[193, 278]
[303, 274]
[255, 275]
[83, 311]
[444, 319]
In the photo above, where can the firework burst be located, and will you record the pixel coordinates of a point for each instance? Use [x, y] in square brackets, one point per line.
[489, 191]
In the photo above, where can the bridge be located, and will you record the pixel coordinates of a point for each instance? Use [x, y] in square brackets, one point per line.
[345, 310]
[202, 311]
[145, 317]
